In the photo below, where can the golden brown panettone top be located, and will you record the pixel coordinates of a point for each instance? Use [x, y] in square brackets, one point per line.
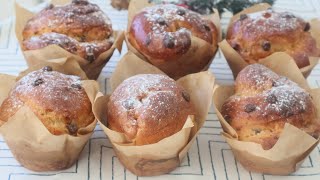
[58, 100]
[258, 35]
[263, 102]
[163, 32]
[80, 27]
[148, 108]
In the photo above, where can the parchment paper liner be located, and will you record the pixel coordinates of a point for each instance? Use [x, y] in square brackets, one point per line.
[167, 154]
[198, 51]
[293, 146]
[237, 63]
[33, 57]
[29, 140]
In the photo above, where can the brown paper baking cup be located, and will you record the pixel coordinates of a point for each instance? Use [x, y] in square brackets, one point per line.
[92, 69]
[287, 155]
[30, 142]
[165, 155]
[237, 63]
[200, 50]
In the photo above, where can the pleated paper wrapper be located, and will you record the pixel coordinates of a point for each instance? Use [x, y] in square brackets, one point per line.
[293, 145]
[30, 142]
[165, 155]
[199, 50]
[92, 69]
[237, 63]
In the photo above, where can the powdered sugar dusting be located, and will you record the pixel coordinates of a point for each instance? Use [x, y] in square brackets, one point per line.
[281, 95]
[155, 95]
[271, 22]
[162, 16]
[52, 85]
[288, 99]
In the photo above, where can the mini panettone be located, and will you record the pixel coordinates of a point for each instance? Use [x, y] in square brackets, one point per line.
[58, 100]
[263, 102]
[163, 34]
[148, 108]
[258, 35]
[80, 27]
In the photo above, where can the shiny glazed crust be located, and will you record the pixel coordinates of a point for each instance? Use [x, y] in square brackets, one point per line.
[258, 35]
[80, 27]
[148, 108]
[58, 100]
[263, 102]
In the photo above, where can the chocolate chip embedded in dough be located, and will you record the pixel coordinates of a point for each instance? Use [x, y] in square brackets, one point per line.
[82, 2]
[181, 12]
[47, 68]
[243, 17]
[76, 86]
[50, 6]
[249, 108]
[307, 27]
[37, 82]
[271, 98]
[206, 27]
[161, 21]
[72, 128]
[235, 46]
[168, 41]
[266, 45]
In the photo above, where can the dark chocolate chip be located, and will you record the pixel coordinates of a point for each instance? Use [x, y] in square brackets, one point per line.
[271, 98]
[90, 58]
[72, 128]
[288, 15]
[82, 2]
[76, 85]
[47, 68]
[161, 21]
[243, 17]
[37, 82]
[256, 130]
[186, 96]
[249, 108]
[181, 12]
[235, 46]
[227, 117]
[307, 27]
[148, 39]
[274, 84]
[50, 6]
[168, 41]
[266, 45]
[206, 27]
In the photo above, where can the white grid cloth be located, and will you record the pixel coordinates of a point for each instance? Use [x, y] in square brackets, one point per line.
[210, 156]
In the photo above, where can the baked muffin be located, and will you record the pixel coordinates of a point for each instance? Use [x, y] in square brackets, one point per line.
[258, 35]
[263, 102]
[148, 108]
[80, 27]
[163, 34]
[58, 100]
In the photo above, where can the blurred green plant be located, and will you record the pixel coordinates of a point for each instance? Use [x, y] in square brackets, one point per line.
[206, 6]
